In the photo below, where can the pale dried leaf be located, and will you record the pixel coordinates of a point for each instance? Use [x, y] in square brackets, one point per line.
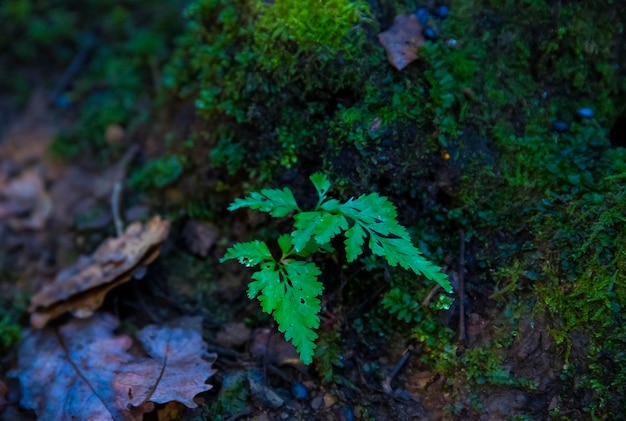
[66, 373]
[175, 371]
[81, 288]
[83, 371]
[402, 41]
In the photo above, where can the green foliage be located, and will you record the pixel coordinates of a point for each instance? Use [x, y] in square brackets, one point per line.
[309, 24]
[554, 201]
[328, 354]
[403, 305]
[263, 75]
[158, 173]
[10, 332]
[123, 45]
[288, 288]
[11, 312]
[483, 365]
[421, 321]
[445, 88]
[64, 147]
[231, 399]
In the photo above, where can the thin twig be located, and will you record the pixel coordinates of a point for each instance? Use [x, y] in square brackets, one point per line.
[115, 208]
[430, 295]
[225, 352]
[394, 372]
[117, 189]
[461, 287]
[88, 43]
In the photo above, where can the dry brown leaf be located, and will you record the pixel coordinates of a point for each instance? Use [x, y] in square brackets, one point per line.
[402, 41]
[81, 288]
[81, 370]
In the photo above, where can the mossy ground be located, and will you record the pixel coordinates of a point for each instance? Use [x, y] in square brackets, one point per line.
[225, 97]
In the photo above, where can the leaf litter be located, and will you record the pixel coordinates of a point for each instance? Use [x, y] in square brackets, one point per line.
[24, 201]
[82, 370]
[402, 40]
[81, 288]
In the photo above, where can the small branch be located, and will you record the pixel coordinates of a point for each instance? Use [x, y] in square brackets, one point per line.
[461, 287]
[115, 208]
[76, 66]
[430, 295]
[387, 382]
[225, 352]
[117, 189]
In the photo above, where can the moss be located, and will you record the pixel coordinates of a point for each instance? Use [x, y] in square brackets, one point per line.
[11, 313]
[278, 97]
[263, 78]
[158, 173]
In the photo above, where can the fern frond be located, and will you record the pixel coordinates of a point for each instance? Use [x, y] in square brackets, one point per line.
[276, 202]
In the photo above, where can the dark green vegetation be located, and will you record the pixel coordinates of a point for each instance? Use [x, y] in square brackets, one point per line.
[286, 90]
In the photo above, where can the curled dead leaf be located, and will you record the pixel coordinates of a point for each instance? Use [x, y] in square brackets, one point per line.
[402, 40]
[81, 288]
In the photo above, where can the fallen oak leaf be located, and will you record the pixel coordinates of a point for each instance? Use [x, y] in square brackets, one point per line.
[80, 370]
[81, 288]
[402, 40]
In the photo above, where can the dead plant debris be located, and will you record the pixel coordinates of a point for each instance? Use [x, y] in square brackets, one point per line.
[80, 289]
[402, 40]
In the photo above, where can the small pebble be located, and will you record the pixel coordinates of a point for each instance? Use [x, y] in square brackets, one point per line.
[299, 391]
[560, 126]
[423, 15]
[329, 400]
[442, 12]
[585, 112]
[317, 402]
[451, 43]
[346, 414]
[62, 101]
[114, 134]
[430, 34]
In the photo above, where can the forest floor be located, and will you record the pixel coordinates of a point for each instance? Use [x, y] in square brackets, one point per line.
[53, 211]
[116, 175]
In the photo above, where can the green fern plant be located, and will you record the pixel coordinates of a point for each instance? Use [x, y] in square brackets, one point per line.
[288, 286]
